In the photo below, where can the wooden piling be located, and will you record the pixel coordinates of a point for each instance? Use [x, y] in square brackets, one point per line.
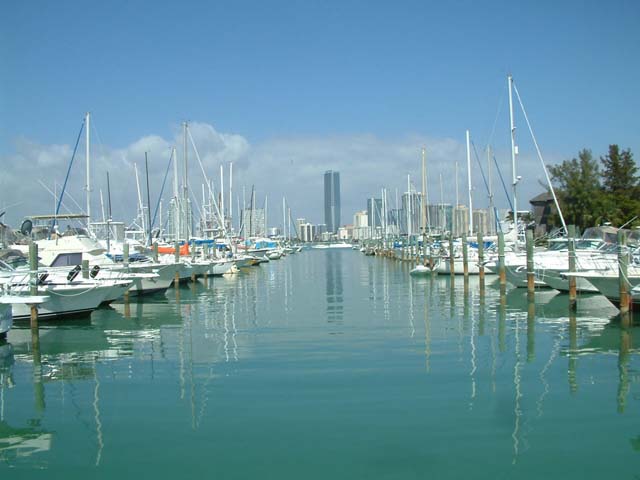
[481, 258]
[125, 262]
[465, 256]
[155, 252]
[530, 270]
[573, 298]
[85, 269]
[452, 260]
[176, 261]
[501, 265]
[33, 282]
[623, 263]
[125, 255]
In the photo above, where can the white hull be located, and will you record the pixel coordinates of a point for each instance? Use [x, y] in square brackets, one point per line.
[64, 300]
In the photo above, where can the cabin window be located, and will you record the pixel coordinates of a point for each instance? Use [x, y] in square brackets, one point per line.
[67, 259]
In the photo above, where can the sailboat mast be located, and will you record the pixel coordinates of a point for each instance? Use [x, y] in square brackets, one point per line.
[424, 194]
[176, 196]
[491, 210]
[140, 208]
[469, 184]
[102, 206]
[231, 197]
[514, 153]
[185, 184]
[222, 192]
[409, 205]
[146, 169]
[87, 129]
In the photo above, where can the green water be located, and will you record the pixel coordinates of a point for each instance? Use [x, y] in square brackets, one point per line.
[326, 364]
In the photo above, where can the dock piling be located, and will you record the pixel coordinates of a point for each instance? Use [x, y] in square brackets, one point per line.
[481, 259]
[623, 263]
[501, 265]
[572, 267]
[530, 269]
[33, 283]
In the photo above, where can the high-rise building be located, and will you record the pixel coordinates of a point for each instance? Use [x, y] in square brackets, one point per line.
[332, 200]
[460, 220]
[482, 222]
[440, 217]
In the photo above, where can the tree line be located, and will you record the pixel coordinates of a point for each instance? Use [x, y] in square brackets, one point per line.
[593, 191]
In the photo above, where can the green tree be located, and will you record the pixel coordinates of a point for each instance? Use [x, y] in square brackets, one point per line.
[579, 190]
[621, 185]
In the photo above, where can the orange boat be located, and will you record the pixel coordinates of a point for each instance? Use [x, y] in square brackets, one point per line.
[184, 250]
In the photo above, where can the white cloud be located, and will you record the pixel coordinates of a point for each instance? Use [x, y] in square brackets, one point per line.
[284, 166]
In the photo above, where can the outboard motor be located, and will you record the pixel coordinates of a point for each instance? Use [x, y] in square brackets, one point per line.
[74, 273]
[94, 271]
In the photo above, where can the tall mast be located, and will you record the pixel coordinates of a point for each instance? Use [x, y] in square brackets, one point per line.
[424, 194]
[87, 121]
[231, 196]
[469, 184]
[442, 219]
[408, 206]
[104, 219]
[514, 153]
[140, 207]
[491, 211]
[185, 184]
[146, 169]
[176, 195]
[222, 192]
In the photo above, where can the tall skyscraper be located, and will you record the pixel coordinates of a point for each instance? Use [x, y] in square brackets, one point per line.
[332, 200]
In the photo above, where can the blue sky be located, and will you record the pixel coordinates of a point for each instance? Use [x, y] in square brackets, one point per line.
[288, 76]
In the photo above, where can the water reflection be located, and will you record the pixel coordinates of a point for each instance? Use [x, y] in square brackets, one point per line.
[251, 354]
[335, 308]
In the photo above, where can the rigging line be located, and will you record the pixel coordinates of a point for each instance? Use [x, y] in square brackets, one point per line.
[544, 167]
[66, 178]
[211, 189]
[504, 186]
[54, 195]
[166, 173]
[484, 178]
[95, 130]
[495, 121]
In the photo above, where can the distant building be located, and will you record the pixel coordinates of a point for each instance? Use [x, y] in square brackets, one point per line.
[482, 221]
[298, 225]
[360, 219]
[345, 233]
[440, 217]
[332, 200]
[460, 220]
[307, 232]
